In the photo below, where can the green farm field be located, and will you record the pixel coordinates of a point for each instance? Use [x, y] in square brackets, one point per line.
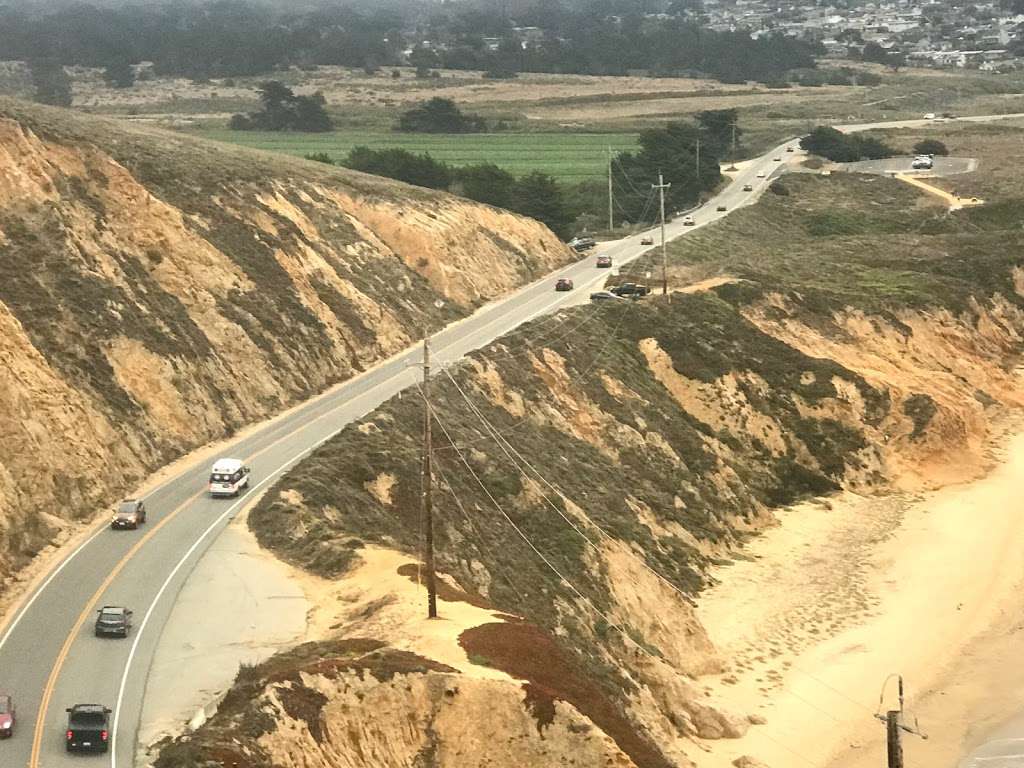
[568, 157]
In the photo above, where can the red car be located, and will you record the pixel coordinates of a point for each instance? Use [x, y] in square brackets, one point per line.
[6, 716]
[563, 284]
[604, 261]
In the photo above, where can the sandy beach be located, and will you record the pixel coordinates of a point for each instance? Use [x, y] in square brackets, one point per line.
[844, 593]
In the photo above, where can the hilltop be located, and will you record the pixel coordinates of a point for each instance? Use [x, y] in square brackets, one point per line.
[159, 292]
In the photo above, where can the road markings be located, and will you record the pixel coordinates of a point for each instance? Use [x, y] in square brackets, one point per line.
[51, 682]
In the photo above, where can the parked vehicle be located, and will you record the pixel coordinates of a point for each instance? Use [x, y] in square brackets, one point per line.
[228, 477]
[6, 716]
[921, 162]
[603, 262]
[631, 289]
[580, 244]
[113, 621]
[88, 728]
[563, 284]
[131, 513]
[604, 296]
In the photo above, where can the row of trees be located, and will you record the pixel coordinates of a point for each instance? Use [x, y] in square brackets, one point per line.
[671, 151]
[231, 38]
[842, 147]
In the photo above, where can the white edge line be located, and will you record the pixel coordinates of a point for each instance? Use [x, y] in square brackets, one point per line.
[273, 476]
[42, 587]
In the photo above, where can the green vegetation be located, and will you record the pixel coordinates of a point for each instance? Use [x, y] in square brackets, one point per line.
[930, 147]
[282, 110]
[568, 157]
[439, 116]
[842, 147]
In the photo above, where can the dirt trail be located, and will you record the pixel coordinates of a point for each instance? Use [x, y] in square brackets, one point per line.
[955, 202]
[846, 592]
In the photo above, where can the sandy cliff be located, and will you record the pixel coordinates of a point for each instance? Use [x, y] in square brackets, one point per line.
[158, 293]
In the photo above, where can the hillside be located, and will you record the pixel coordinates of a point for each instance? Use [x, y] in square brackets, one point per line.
[158, 293]
[593, 467]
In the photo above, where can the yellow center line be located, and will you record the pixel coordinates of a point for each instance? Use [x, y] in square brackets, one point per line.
[51, 682]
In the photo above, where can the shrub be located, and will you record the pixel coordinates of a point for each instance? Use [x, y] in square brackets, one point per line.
[930, 147]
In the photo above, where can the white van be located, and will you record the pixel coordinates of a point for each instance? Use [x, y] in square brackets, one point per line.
[228, 477]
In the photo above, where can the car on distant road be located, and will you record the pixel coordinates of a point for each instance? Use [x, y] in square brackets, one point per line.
[228, 477]
[789, 149]
[747, 188]
[777, 159]
[582, 243]
[131, 513]
[113, 621]
[603, 261]
[563, 284]
[6, 716]
[631, 289]
[721, 208]
[646, 240]
[688, 221]
[88, 728]
[761, 174]
[929, 116]
[604, 296]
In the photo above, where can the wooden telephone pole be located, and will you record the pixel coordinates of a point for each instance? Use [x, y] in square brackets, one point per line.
[661, 186]
[611, 193]
[427, 497]
[894, 728]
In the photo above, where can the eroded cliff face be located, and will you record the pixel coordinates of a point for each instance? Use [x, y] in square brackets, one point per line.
[157, 294]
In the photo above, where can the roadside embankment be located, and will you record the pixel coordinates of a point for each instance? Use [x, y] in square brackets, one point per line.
[159, 293]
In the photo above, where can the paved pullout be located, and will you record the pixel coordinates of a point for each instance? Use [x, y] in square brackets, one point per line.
[49, 658]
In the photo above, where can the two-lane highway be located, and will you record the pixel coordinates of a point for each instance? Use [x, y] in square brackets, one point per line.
[49, 658]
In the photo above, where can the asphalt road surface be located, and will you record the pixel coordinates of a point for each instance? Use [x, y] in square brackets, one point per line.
[942, 166]
[49, 658]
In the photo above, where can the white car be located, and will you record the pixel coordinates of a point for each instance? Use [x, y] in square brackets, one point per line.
[921, 162]
[929, 116]
[688, 221]
[760, 174]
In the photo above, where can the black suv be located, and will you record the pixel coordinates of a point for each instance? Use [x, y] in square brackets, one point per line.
[131, 513]
[631, 289]
[113, 621]
[88, 728]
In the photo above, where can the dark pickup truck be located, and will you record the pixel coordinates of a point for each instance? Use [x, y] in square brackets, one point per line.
[631, 289]
[88, 728]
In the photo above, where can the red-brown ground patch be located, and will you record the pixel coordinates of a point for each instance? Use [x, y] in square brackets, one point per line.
[527, 652]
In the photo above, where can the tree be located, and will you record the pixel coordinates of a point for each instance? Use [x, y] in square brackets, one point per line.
[284, 111]
[930, 147]
[421, 170]
[119, 74]
[844, 148]
[439, 116]
[538, 196]
[487, 183]
[52, 84]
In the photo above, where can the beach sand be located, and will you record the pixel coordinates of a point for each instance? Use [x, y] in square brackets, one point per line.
[845, 593]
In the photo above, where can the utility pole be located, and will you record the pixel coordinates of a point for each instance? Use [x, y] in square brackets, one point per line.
[611, 216]
[894, 728]
[698, 159]
[427, 498]
[661, 186]
[732, 165]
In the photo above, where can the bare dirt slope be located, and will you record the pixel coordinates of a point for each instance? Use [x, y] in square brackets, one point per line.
[158, 293]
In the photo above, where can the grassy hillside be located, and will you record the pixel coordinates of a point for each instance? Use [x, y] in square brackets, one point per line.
[158, 292]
